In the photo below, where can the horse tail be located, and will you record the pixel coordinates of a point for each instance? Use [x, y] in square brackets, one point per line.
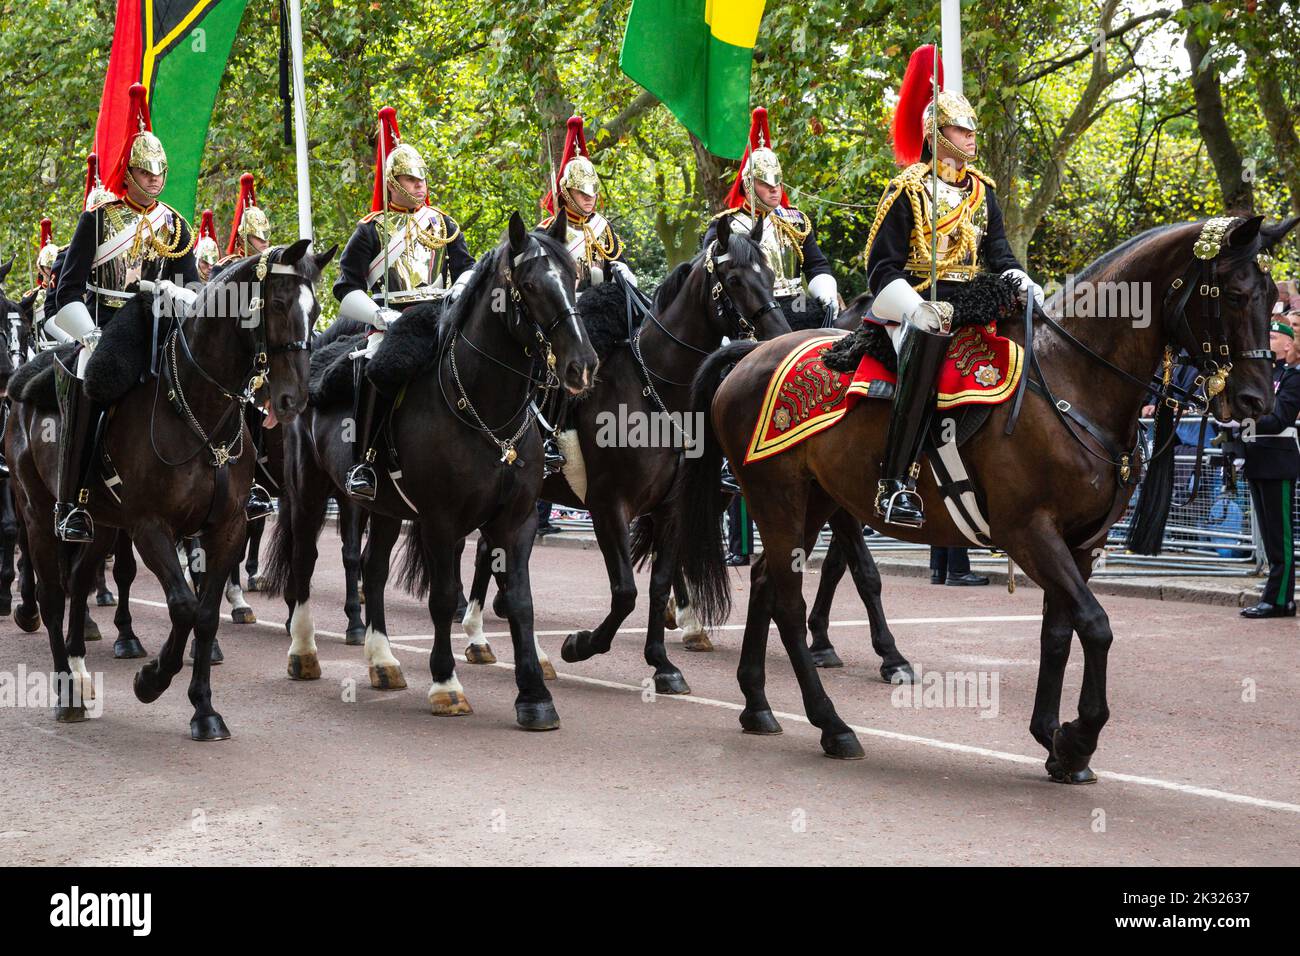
[1146, 530]
[415, 574]
[642, 539]
[697, 517]
[279, 562]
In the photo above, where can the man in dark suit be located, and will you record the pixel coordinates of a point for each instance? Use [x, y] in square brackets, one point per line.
[1272, 466]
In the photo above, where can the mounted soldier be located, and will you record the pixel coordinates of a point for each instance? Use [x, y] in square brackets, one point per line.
[595, 247]
[789, 243]
[206, 251]
[121, 246]
[934, 137]
[250, 233]
[405, 252]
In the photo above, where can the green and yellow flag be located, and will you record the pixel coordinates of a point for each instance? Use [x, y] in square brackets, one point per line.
[178, 50]
[696, 56]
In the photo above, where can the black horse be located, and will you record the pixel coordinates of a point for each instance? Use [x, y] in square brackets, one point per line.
[178, 445]
[470, 457]
[624, 440]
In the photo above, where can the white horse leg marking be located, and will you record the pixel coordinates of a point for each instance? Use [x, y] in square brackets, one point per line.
[302, 631]
[235, 595]
[447, 698]
[694, 637]
[83, 683]
[472, 622]
[385, 669]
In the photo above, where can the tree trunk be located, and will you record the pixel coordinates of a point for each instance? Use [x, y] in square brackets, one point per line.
[1238, 194]
[713, 177]
[1277, 116]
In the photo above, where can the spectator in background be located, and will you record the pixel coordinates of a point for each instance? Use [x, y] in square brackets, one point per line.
[1272, 466]
[952, 566]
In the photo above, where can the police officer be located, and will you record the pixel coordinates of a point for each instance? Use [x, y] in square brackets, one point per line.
[1272, 466]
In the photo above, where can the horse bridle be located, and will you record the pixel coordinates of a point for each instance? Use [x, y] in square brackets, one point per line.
[725, 305]
[1213, 373]
[515, 311]
[256, 376]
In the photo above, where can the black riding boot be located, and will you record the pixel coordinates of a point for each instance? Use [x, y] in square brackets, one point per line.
[259, 503]
[362, 482]
[919, 361]
[72, 522]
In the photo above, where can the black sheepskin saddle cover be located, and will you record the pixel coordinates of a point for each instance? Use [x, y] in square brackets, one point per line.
[120, 360]
[604, 315]
[330, 382]
[986, 298]
[804, 312]
[33, 382]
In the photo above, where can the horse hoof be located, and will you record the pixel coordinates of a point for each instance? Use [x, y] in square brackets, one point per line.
[387, 677]
[548, 671]
[216, 657]
[1060, 767]
[670, 617]
[827, 658]
[499, 606]
[106, 599]
[671, 682]
[355, 637]
[243, 615]
[761, 722]
[6, 606]
[449, 703]
[1058, 774]
[843, 746]
[256, 582]
[70, 715]
[304, 667]
[27, 621]
[898, 674]
[697, 642]
[480, 654]
[128, 648]
[576, 647]
[539, 716]
[209, 727]
[149, 684]
[92, 632]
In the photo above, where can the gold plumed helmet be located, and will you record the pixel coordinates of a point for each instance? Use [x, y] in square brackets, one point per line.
[764, 166]
[580, 174]
[255, 223]
[147, 153]
[955, 110]
[206, 250]
[48, 250]
[404, 160]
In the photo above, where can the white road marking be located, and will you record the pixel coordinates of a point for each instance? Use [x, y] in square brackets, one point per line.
[968, 749]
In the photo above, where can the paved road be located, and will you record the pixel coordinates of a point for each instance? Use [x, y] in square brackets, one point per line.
[1190, 771]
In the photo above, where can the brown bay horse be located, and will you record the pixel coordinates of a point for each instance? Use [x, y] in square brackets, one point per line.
[1051, 489]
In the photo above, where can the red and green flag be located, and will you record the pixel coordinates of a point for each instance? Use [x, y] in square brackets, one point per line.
[178, 50]
[696, 56]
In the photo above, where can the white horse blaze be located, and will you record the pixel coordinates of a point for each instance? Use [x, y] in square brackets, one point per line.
[472, 622]
[302, 632]
[378, 651]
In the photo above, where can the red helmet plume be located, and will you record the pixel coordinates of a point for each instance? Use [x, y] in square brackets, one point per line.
[913, 98]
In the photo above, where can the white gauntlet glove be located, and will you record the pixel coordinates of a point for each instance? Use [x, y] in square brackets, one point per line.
[457, 287]
[826, 290]
[621, 268]
[360, 307]
[1021, 278]
[931, 316]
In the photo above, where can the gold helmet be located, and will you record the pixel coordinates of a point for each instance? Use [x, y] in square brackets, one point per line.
[255, 223]
[764, 166]
[955, 110]
[580, 174]
[146, 151]
[206, 249]
[404, 160]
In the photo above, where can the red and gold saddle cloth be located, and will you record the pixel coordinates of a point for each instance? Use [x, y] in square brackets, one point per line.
[804, 397]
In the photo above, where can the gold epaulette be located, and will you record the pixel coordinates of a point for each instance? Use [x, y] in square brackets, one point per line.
[988, 180]
[370, 216]
[545, 223]
[105, 203]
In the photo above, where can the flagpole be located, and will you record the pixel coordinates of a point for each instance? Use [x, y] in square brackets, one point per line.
[305, 230]
[950, 21]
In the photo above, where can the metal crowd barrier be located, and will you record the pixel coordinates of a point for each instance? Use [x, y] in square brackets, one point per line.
[1213, 535]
